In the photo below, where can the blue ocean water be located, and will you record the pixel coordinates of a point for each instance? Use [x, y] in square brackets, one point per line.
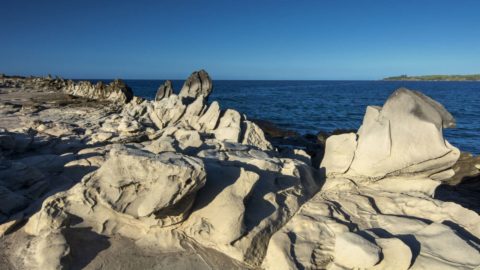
[313, 106]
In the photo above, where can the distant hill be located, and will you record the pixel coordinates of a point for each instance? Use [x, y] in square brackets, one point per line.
[473, 77]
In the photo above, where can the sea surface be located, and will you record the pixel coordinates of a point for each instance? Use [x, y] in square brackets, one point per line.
[313, 106]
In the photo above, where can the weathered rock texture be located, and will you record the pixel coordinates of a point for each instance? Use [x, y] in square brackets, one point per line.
[179, 183]
[116, 91]
[403, 138]
[198, 84]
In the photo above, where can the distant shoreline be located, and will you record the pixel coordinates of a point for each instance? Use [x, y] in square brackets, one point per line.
[466, 78]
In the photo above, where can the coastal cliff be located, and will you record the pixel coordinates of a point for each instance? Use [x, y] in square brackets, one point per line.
[92, 176]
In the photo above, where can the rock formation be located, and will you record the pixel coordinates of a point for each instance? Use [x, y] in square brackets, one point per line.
[198, 84]
[179, 183]
[402, 138]
[116, 91]
[164, 91]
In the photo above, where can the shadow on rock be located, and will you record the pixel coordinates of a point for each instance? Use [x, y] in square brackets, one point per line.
[466, 193]
[84, 246]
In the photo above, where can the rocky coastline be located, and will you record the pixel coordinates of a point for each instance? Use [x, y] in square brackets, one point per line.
[93, 177]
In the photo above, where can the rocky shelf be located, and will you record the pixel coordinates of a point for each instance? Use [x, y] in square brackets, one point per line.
[93, 177]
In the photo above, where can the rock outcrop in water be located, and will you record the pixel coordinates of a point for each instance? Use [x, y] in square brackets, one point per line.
[178, 183]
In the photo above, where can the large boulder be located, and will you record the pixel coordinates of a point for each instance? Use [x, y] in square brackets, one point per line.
[198, 84]
[404, 137]
[141, 184]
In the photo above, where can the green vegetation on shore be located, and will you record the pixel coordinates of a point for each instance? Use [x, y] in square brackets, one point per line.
[473, 77]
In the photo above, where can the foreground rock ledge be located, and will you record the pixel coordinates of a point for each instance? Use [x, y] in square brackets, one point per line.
[104, 180]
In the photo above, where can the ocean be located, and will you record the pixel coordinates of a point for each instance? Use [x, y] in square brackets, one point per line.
[313, 106]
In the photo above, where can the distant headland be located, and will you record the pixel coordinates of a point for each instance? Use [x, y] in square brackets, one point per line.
[472, 77]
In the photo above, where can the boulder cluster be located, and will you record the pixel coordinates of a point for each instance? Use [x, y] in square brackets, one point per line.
[180, 175]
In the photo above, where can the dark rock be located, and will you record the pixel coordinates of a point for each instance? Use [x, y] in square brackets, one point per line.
[467, 167]
[198, 84]
[273, 131]
[164, 91]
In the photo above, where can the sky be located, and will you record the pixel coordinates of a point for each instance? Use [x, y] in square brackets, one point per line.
[262, 39]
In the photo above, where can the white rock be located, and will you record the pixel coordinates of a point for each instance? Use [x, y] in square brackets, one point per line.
[47, 251]
[188, 139]
[163, 144]
[229, 127]
[220, 219]
[208, 121]
[141, 184]
[254, 136]
[354, 251]
[404, 137]
[442, 248]
[396, 255]
[339, 153]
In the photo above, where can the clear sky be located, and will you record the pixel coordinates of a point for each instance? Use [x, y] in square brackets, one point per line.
[262, 39]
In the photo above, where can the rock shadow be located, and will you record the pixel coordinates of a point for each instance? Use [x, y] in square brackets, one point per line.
[84, 246]
[466, 193]
[258, 205]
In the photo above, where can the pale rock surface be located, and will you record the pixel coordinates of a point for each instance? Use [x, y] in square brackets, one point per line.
[222, 220]
[442, 248]
[177, 183]
[354, 251]
[48, 251]
[339, 153]
[141, 184]
[116, 91]
[254, 136]
[209, 120]
[229, 126]
[404, 137]
[396, 254]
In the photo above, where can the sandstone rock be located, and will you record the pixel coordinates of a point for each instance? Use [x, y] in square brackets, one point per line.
[396, 254]
[188, 139]
[404, 137]
[354, 251]
[47, 251]
[254, 136]
[163, 144]
[116, 91]
[167, 111]
[198, 84]
[229, 127]
[339, 153]
[164, 91]
[140, 184]
[208, 121]
[101, 136]
[442, 248]
[220, 220]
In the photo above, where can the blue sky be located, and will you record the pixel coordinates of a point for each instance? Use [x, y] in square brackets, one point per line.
[262, 39]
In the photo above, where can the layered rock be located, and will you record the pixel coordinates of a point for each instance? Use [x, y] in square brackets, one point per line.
[116, 91]
[198, 84]
[164, 91]
[402, 138]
